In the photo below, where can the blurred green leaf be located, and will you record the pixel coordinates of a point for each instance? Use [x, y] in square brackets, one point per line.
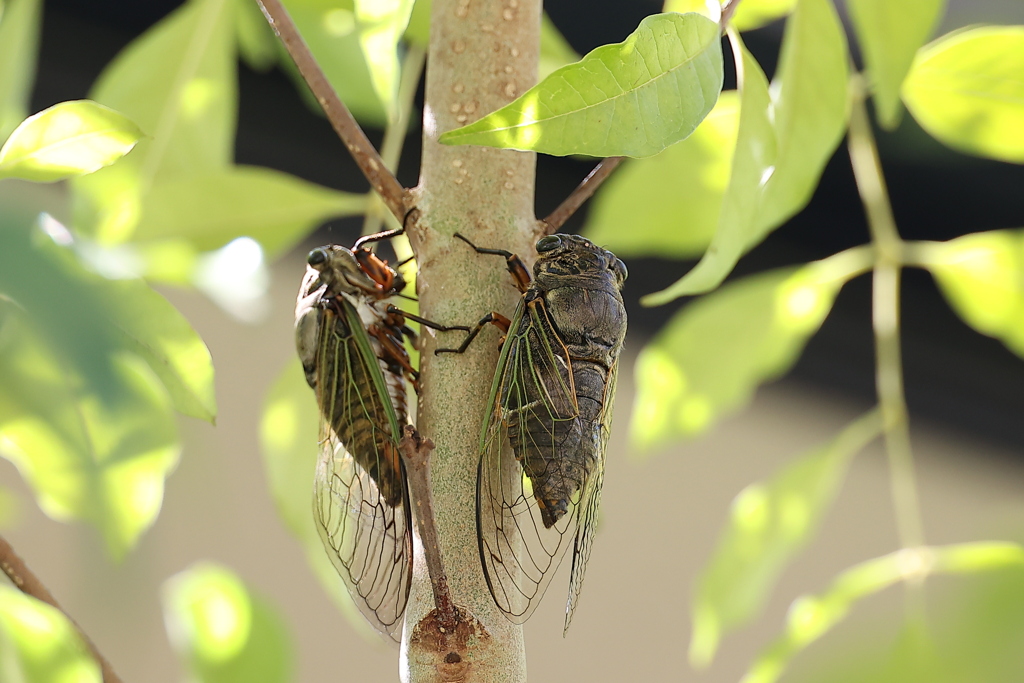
[769, 523]
[418, 30]
[90, 457]
[209, 210]
[289, 434]
[633, 98]
[787, 144]
[19, 40]
[329, 28]
[890, 34]
[982, 277]
[68, 139]
[177, 82]
[714, 353]
[10, 509]
[257, 44]
[753, 159]
[966, 90]
[753, 14]
[381, 25]
[222, 632]
[810, 110]
[38, 644]
[811, 617]
[555, 51]
[668, 205]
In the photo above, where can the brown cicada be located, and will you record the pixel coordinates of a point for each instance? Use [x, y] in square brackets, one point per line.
[351, 343]
[549, 410]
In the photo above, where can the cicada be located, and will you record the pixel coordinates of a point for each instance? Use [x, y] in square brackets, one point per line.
[549, 411]
[351, 343]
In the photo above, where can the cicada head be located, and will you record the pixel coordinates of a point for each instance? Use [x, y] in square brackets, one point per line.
[338, 271]
[571, 256]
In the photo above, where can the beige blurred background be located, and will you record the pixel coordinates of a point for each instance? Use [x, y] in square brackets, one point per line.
[660, 520]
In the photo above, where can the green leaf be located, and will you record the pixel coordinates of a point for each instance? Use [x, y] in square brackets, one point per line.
[982, 277]
[769, 523]
[633, 98]
[38, 644]
[381, 25]
[418, 30]
[890, 34]
[712, 355]
[966, 90]
[811, 617]
[19, 41]
[87, 456]
[177, 82]
[555, 51]
[221, 631]
[257, 44]
[10, 509]
[329, 28]
[209, 210]
[668, 205]
[289, 434]
[68, 139]
[786, 147]
[753, 14]
[753, 159]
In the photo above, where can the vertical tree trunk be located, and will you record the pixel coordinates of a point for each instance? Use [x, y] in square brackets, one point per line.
[483, 54]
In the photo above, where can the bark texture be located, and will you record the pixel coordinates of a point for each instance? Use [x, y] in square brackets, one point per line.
[483, 54]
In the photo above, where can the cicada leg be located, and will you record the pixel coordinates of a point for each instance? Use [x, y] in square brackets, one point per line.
[492, 318]
[520, 273]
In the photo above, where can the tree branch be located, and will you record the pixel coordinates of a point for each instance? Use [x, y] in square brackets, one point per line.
[381, 179]
[582, 193]
[416, 453]
[28, 583]
[727, 13]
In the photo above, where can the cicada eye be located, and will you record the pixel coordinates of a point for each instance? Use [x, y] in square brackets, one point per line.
[620, 269]
[317, 256]
[549, 243]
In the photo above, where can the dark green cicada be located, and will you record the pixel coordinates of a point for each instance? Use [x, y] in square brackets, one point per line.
[543, 443]
[351, 343]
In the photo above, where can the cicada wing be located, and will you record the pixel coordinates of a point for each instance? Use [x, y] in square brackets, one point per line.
[590, 502]
[361, 500]
[532, 408]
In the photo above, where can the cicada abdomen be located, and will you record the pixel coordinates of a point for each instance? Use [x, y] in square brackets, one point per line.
[549, 411]
[350, 344]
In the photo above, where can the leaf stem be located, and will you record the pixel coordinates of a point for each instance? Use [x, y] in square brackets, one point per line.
[28, 583]
[867, 171]
[584, 191]
[366, 157]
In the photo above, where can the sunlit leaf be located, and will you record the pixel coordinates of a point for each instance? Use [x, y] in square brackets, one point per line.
[289, 433]
[68, 139]
[890, 33]
[177, 82]
[19, 40]
[966, 90]
[257, 44]
[982, 276]
[555, 51]
[668, 205]
[786, 147]
[811, 617]
[209, 210]
[753, 159]
[714, 353]
[329, 28]
[418, 30]
[381, 25]
[753, 14]
[91, 457]
[633, 98]
[769, 523]
[38, 644]
[223, 632]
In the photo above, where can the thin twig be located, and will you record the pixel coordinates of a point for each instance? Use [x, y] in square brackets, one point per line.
[582, 193]
[867, 171]
[359, 146]
[727, 13]
[28, 583]
[416, 452]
